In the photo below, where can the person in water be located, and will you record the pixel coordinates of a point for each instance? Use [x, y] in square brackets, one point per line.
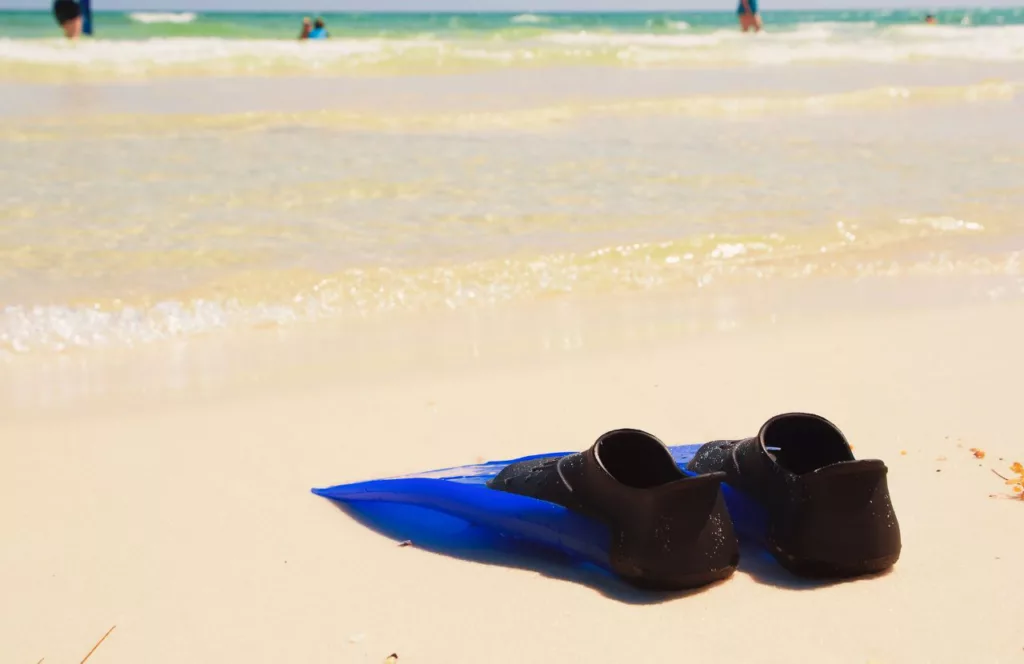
[68, 14]
[307, 27]
[930, 19]
[749, 18]
[319, 30]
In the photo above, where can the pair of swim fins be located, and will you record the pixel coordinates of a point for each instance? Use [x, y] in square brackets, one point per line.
[667, 518]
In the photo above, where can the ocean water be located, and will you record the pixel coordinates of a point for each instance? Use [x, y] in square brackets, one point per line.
[187, 175]
[141, 45]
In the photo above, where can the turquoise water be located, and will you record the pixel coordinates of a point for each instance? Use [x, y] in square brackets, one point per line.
[142, 25]
[148, 44]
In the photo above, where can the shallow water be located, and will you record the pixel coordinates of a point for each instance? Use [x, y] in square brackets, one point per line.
[142, 45]
[135, 212]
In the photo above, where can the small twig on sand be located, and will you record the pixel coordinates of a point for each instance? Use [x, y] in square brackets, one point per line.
[102, 639]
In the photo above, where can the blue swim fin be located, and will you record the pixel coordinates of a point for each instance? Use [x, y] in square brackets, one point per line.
[626, 505]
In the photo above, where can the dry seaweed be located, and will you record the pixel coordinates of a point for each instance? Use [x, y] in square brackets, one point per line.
[1016, 483]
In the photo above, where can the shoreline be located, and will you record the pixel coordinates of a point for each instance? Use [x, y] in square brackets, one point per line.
[240, 363]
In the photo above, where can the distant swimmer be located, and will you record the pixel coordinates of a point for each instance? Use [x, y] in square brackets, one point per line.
[319, 30]
[69, 16]
[307, 27]
[749, 18]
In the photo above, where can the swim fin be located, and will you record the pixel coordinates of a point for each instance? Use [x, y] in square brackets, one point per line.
[825, 513]
[623, 504]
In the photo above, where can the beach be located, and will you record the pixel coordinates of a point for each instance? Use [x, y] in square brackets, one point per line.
[233, 269]
[192, 528]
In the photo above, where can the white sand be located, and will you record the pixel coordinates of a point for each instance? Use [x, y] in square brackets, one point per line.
[193, 530]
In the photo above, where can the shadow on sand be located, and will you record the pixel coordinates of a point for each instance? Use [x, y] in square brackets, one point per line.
[450, 536]
[757, 563]
[439, 533]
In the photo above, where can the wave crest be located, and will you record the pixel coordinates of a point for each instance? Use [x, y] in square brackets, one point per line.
[279, 298]
[162, 17]
[530, 19]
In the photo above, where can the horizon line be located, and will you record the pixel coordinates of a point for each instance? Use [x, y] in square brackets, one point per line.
[714, 10]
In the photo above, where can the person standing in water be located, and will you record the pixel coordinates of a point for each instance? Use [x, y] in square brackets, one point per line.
[307, 27]
[68, 15]
[749, 18]
[319, 30]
